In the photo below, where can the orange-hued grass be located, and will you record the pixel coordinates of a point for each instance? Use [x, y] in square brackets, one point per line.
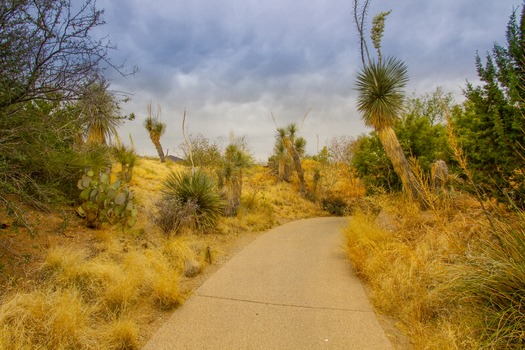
[413, 269]
[106, 288]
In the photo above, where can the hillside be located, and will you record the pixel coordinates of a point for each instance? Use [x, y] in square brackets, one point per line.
[66, 285]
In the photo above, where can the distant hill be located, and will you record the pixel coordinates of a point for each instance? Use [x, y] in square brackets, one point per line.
[175, 159]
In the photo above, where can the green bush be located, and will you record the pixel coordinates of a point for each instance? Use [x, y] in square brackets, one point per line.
[104, 201]
[190, 200]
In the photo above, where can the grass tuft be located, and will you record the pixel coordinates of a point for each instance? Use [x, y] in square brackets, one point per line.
[44, 320]
[166, 294]
[122, 334]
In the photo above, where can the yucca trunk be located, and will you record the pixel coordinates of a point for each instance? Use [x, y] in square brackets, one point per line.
[233, 189]
[156, 142]
[96, 136]
[401, 166]
[298, 167]
[284, 169]
[281, 168]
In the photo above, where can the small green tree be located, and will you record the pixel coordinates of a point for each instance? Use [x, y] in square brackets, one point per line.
[155, 129]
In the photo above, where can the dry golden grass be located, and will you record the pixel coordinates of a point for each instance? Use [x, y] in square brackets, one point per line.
[101, 291]
[121, 334]
[408, 270]
[335, 180]
[45, 319]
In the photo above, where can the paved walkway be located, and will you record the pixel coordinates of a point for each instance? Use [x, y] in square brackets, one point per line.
[291, 288]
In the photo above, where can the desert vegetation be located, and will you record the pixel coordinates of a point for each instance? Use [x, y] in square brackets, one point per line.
[450, 271]
[98, 244]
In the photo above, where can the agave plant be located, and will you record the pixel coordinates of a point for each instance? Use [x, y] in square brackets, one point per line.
[195, 191]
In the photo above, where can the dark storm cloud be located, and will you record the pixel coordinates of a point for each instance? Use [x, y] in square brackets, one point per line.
[233, 63]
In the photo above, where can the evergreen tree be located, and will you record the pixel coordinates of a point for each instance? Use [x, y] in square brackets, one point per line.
[492, 126]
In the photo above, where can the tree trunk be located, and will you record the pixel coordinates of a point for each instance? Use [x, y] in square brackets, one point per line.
[232, 190]
[401, 166]
[284, 168]
[299, 169]
[281, 168]
[160, 151]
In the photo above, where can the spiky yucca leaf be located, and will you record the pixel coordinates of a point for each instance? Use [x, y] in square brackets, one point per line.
[380, 87]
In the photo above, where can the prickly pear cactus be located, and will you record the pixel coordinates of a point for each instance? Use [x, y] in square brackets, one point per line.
[103, 201]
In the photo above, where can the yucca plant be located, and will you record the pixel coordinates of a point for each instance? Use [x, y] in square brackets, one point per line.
[127, 157]
[155, 129]
[235, 161]
[294, 146]
[196, 193]
[99, 113]
[380, 86]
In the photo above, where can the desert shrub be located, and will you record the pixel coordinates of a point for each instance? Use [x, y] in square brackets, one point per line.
[205, 153]
[39, 160]
[189, 200]
[334, 205]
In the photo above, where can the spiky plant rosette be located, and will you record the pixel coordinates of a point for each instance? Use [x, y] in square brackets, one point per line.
[198, 188]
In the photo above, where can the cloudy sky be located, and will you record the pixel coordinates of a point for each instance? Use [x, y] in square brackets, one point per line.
[233, 63]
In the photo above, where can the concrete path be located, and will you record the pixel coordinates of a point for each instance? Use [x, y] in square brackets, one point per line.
[292, 288]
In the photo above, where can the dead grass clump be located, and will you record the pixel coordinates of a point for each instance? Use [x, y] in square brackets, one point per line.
[254, 215]
[179, 251]
[166, 294]
[45, 320]
[121, 334]
[121, 294]
[68, 268]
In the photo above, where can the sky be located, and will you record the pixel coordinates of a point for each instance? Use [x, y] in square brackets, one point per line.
[232, 64]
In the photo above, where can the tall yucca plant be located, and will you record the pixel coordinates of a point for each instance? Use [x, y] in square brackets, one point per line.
[380, 101]
[155, 129]
[294, 146]
[99, 113]
[380, 85]
[235, 161]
